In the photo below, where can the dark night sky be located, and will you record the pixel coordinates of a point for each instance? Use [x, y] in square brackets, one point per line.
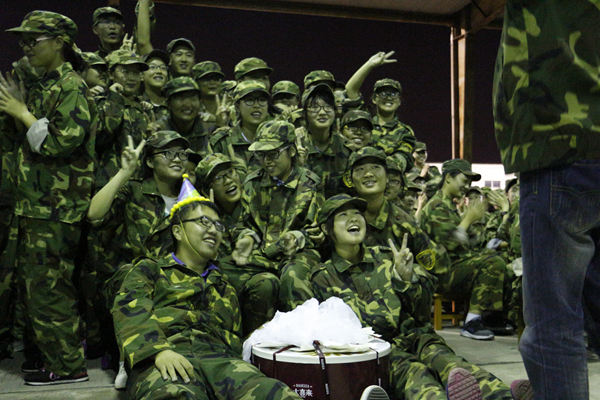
[294, 45]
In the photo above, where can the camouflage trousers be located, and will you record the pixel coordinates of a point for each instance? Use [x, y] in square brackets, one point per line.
[8, 292]
[45, 260]
[219, 374]
[294, 276]
[480, 278]
[423, 375]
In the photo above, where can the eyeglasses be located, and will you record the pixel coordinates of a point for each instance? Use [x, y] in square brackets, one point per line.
[111, 21]
[32, 42]
[170, 154]
[269, 155]
[220, 178]
[390, 95]
[316, 109]
[157, 67]
[207, 223]
[356, 129]
[129, 73]
[249, 101]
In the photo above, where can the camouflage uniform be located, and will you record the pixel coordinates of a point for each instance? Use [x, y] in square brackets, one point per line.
[432, 172]
[163, 305]
[200, 133]
[53, 179]
[200, 70]
[98, 13]
[420, 360]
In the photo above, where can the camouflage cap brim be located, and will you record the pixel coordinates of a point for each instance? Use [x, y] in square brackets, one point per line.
[334, 203]
[265, 146]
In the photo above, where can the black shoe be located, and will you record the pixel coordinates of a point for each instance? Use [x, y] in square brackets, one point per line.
[506, 330]
[474, 329]
[43, 377]
[31, 366]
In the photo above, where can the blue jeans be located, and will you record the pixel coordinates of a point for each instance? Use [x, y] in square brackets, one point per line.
[560, 234]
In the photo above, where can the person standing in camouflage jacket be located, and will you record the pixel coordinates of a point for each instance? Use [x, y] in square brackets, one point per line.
[178, 323]
[393, 296]
[55, 131]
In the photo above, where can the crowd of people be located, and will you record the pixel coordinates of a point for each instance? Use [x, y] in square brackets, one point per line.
[155, 214]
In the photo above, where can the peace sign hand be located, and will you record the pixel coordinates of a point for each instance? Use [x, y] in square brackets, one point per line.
[127, 43]
[131, 155]
[403, 259]
[223, 106]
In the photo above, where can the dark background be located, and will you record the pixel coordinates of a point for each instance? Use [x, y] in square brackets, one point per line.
[294, 45]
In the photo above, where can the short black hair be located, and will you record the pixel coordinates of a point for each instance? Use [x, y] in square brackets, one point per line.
[182, 213]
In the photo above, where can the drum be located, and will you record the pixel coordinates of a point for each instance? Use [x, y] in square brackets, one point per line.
[316, 375]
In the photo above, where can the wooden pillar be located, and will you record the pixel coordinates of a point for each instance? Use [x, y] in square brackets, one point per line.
[463, 86]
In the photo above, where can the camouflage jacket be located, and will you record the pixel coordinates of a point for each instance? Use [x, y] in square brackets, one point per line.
[231, 142]
[119, 117]
[56, 183]
[163, 303]
[392, 223]
[329, 165]
[397, 310]
[160, 110]
[273, 208]
[395, 138]
[198, 137]
[546, 102]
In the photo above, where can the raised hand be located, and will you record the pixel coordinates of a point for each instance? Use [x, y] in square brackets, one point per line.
[127, 43]
[403, 259]
[130, 155]
[302, 151]
[243, 249]
[381, 58]
[223, 106]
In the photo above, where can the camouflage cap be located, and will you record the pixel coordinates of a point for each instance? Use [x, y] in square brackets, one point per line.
[420, 146]
[356, 115]
[285, 87]
[392, 165]
[180, 42]
[180, 84]
[319, 76]
[124, 57]
[458, 164]
[247, 87]
[249, 65]
[412, 187]
[163, 138]
[387, 82]
[334, 203]
[94, 59]
[99, 12]
[228, 86]
[366, 152]
[157, 53]
[205, 168]
[206, 67]
[271, 135]
[193, 156]
[474, 189]
[50, 23]
[318, 88]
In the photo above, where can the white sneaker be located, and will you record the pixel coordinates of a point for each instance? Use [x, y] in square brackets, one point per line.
[121, 379]
[374, 392]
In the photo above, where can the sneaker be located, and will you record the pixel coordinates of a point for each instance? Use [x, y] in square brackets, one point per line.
[475, 329]
[31, 366]
[521, 389]
[374, 392]
[462, 386]
[43, 377]
[121, 379]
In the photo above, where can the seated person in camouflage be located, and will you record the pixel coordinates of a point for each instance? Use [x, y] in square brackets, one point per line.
[368, 177]
[421, 167]
[477, 230]
[322, 149]
[253, 106]
[208, 76]
[357, 128]
[95, 74]
[286, 97]
[183, 102]
[253, 69]
[413, 200]
[395, 182]
[280, 201]
[183, 57]
[393, 296]
[121, 113]
[177, 319]
[155, 78]
[475, 274]
[109, 27]
[258, 293]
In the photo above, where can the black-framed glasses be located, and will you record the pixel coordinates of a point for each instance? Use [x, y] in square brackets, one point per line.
[316, 109]
[31, 43]
[387, 94]
[249, 101]
[111, 21]
[220, 178]
[207, 223]
[358, 129]
[269, 155]
[152, 67]
[171, 154]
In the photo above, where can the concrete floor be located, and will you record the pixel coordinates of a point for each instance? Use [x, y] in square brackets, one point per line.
[500, 356]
